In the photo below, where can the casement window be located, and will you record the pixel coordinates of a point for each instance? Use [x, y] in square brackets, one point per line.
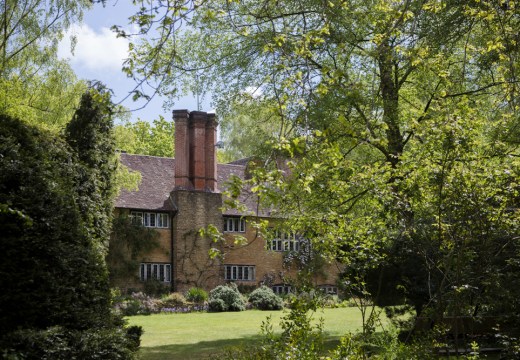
[150, 219]
[285, 242]
[234, 224]
[329, 289]
[155, 271]
[281, 289]
[239, 272]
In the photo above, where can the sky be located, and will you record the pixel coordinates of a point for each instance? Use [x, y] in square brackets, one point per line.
[99, 55]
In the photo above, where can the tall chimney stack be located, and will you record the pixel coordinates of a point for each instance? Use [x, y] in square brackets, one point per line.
[182, 149]
[211, 158]
[195, 146]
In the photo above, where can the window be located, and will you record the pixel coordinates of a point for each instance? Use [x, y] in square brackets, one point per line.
[239, 272]
[285, 242]
[149, 271]
[281, 289]
[329, 289]
[150, 219]
[137, 217]
[234, 224]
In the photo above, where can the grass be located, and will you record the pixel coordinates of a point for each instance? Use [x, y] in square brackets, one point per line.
[198, 335]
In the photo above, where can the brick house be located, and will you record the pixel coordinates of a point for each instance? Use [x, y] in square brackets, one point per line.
[177, 197]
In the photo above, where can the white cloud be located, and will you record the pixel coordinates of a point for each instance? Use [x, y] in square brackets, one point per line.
[255, 92]
[94, 51]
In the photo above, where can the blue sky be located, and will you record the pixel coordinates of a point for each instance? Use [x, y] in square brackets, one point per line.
[99, 55]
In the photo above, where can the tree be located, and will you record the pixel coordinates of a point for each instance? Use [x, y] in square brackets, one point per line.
[249, 127]
[404, 114]
[142, 137]
[34, 85]
[54, 221]
[30, 31]
[90, 135]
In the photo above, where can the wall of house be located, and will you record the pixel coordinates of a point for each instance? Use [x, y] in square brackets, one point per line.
[192, 264]
[159, 254]
[270, 268]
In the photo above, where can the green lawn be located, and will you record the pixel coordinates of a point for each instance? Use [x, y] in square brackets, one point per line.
[197, 335]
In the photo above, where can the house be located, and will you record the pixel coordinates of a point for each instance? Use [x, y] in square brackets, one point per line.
[178, 197]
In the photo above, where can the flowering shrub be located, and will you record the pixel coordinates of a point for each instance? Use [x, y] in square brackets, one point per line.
[226, 298]
[138, 304]
[185, 309]
[264, 298]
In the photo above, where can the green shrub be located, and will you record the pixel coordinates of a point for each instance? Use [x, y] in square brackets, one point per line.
[173, 300]
[138, 304]
[57, 343]
[197, 295]
[226, 298]
[264, 298]
[155, 288]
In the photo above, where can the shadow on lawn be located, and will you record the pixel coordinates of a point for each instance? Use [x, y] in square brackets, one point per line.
[205, 349]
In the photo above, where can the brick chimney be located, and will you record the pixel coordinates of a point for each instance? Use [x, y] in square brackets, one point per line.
[211, 158]
[195, 160]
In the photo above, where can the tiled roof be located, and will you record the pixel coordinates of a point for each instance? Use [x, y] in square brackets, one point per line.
[158, 180]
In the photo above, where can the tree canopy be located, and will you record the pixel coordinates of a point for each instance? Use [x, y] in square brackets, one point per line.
[146, 138]
[399, 121]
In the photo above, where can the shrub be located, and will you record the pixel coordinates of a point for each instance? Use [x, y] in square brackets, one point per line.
[226, 298]
[197, 295]
[138, 304]
[264, 298]
[60, 343]
[155, 288]
[173, 300]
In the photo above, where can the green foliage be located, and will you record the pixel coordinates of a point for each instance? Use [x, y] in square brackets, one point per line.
[58, 282]
[173, 300]
[137, 304]
[402, 158]
[61, 343]
[47, 99]
[145, 138]
[57, 276]
[226, 298]
[128, 240]
[31, 30]
[300, 338]
[154, 287]
[127, 178]
[89, 134]
[197, 295]
[264, 298]
[34, 85]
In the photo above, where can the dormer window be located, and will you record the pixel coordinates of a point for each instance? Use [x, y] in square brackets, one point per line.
[234, 224]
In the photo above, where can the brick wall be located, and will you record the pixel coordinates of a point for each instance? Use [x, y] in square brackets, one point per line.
[269, 263]
[192, 263]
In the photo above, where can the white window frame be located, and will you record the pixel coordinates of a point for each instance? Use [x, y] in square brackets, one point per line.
[156, 271]
[137, 217]
[281, 289]
[285, 242]
[239, 272]
[234, 224]
[163, 220]
[329, 289]
[151, 219]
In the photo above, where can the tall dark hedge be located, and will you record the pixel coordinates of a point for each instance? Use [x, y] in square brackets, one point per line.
[55, 209]
[50, 273]
[89, 134]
